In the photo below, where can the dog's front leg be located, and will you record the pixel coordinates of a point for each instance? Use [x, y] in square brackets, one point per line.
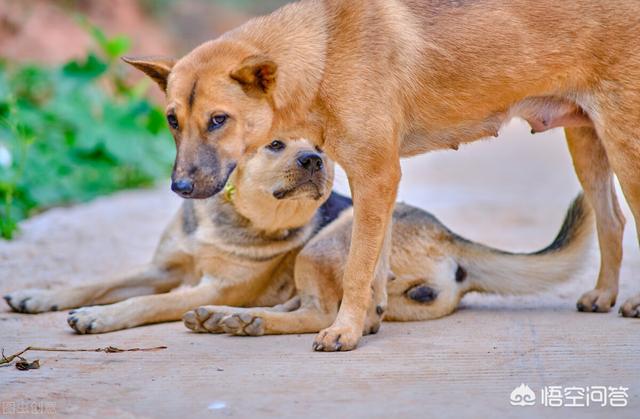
[141, 310]
[373, 179]
[151, 280]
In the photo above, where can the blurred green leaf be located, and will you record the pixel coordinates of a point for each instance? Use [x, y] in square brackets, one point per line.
[117, 46]
[72, 133]
[91, 68]
[112, 47]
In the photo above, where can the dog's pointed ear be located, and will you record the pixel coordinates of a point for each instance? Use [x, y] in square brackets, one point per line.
[256, 75]
[157, 68]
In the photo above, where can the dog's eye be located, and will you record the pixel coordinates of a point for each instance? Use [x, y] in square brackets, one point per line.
[276, 146]
[172, 120]
[217, 121]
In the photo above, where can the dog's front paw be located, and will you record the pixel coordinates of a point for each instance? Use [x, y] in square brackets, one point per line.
[597, 301]
[243, 324]
[631, 307]
[88, 320]
[336, 338]
[204, 320]
[32, 301]
[190, 320]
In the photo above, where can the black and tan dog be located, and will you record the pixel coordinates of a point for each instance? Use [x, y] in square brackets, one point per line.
[243, 248]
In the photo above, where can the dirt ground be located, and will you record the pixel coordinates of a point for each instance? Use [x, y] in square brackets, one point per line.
[510, 193]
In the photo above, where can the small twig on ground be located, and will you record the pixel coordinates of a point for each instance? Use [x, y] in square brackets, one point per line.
[24, 364]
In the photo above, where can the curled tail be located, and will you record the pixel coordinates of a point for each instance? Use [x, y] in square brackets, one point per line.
[495, 271]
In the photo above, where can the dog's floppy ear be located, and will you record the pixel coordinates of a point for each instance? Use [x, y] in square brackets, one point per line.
[158, 68]
[256, 75]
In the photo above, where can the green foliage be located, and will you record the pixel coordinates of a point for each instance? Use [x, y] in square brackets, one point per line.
[72, 133]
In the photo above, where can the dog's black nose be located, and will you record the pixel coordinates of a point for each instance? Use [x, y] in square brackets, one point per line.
[182, 187]
[311, 162]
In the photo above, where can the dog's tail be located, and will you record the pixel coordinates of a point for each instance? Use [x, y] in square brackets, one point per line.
[495, 271]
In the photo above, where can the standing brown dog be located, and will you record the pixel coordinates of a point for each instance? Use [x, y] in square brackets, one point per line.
[374, 80]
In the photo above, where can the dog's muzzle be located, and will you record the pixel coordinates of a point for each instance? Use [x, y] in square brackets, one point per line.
[201, 186]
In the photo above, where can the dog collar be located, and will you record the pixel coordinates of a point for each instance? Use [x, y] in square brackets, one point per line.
[229, 191]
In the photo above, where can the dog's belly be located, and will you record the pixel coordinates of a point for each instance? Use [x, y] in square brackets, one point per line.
[541, 113]
[420, 140]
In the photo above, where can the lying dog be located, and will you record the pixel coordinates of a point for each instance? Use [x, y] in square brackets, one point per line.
[243, 248]
[371, 81]
[432, 269]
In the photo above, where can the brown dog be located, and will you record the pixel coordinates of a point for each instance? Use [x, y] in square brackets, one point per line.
[432, 269]
[374, 80]
[242, 249]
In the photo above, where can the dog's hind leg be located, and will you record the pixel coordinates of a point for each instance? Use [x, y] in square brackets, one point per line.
[208, 319]
[299, 315]
[626, 162]
[318, 268]
[315, 307]
[308, 316]
[151, 280]
[256, 321]
[595, 174]
[620, 134]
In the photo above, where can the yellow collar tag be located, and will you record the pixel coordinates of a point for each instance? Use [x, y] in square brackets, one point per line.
[229, 191]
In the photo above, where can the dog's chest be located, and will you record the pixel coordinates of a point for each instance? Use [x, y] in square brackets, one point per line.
[230, 268]
[235, 255]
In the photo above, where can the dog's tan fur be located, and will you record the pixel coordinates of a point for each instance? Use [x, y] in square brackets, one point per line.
[243, 249]
[374, 80]
[432, 269]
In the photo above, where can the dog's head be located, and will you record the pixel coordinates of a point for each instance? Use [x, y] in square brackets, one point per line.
[219, 110]
[287, 170]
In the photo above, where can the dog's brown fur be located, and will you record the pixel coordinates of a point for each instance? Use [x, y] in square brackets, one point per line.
[432, 269]
[243, 249]
[374, 80]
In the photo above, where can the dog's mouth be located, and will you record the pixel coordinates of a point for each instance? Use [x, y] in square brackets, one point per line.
[305, 188]
[220, 186]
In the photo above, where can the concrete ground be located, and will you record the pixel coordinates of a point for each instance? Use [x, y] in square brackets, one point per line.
[510, 193]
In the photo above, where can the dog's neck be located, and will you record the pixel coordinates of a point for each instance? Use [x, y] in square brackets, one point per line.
[266, 213]
[297, 42]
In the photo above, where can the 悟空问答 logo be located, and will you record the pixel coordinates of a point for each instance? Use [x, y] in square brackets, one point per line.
[523, 396]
